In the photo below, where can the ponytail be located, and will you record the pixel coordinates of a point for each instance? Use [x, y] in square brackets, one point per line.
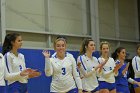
[7, 45]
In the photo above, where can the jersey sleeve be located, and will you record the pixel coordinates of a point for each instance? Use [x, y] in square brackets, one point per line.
[48, 67]
[76, 74]
[9, 75]
[136, 71]
[83, 69]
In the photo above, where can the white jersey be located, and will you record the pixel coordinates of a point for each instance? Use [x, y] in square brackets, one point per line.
[89, 80]
[64, 74]
[107, 73]
[2, 70]
[136, 66]
[14, 65]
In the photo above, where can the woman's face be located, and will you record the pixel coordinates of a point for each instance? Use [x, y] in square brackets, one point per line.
[138, 51]
[60, 47]
[105, 49]
[17, 43]
[91, 46]
[122, 54]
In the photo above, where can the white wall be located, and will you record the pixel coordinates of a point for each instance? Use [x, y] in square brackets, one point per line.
[45, 19]
[25, 14]
[118, 24]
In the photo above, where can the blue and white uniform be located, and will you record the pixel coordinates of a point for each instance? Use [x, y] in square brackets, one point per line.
[107, 75]
[136, 68]
[121, 80]
[2, 74]
[87, 71]
[64, 74]
[14, 65]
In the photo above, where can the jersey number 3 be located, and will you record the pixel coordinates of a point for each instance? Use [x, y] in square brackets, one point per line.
[63, 71]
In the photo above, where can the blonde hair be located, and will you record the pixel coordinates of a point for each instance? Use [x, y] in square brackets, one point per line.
[59, 39]
[104, 42]
[101, 45]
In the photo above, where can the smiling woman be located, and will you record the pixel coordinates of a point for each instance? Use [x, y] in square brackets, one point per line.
[63, 70]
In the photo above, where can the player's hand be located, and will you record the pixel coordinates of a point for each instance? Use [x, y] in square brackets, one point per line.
[118, 66]
[31, 73]
[138, 83]
[79, 64]
[80, 91]
[126, 68]
[34, 73]
[101, 64]
[25, 72]
[46, 53]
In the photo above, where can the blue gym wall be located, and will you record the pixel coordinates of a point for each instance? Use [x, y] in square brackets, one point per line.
[34, 59]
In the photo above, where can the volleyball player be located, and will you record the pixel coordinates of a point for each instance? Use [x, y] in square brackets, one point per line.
[122, 78]
[62, 68]
[109, 70]
[136, 68]
[88, 66]
[15, 70]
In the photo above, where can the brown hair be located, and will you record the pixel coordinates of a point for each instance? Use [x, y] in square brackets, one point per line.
[84, 45]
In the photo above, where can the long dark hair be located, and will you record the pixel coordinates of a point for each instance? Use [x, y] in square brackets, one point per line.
[115, 53]
[7, 45]
[84, 45]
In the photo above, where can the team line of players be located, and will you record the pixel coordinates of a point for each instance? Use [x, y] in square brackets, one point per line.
[86, 75]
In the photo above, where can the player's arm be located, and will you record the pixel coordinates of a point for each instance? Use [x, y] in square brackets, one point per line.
[126, 68]
[48, 64]
[76, 74]
[93, 70]
[134, 65]
[132, 81]
[117, 67]
[9, 75]
[82, 68]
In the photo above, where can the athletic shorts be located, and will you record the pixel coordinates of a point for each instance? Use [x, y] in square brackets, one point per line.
[106, 85]
[2, 89]
[136, 79]
[122, 89]
[17, 87]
